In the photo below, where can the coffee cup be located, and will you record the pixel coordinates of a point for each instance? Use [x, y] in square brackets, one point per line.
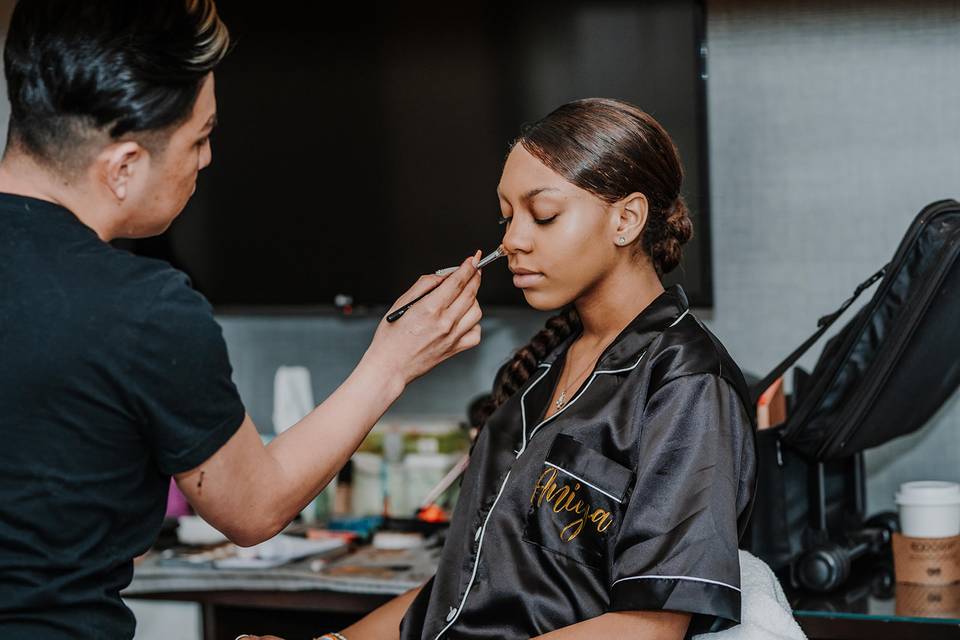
[929, 509]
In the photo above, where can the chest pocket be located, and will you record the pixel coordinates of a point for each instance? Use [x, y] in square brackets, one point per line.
[577, 502]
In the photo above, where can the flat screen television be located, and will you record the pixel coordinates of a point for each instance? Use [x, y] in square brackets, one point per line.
[360, 146]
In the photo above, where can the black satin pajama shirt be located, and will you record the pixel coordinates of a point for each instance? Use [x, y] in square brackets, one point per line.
[632, 497]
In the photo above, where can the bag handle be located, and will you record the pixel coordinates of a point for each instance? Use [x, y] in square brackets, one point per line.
[823, 324]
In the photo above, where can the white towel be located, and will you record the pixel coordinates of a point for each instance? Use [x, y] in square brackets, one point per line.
[765, 613]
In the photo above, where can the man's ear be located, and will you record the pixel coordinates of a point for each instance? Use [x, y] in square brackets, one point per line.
[633, 211]
[119, 164]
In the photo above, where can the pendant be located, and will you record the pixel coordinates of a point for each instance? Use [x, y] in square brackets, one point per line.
[561, 399]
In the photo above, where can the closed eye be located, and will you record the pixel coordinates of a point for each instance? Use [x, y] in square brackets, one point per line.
[504, 221]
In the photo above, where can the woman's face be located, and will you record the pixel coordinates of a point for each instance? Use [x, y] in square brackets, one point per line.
[558, 237]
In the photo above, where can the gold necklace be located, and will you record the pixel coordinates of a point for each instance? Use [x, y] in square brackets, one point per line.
[562, 399]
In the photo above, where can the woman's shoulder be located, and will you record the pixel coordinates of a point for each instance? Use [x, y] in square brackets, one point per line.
[687, 349]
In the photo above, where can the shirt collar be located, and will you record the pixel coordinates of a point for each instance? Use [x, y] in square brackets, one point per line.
[629, 345]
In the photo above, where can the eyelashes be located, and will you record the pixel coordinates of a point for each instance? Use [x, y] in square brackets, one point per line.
[504, 221]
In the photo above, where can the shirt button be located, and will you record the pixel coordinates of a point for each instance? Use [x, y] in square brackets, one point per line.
[452, 614]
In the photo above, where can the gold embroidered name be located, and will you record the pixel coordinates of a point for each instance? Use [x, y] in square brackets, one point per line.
[564, 499]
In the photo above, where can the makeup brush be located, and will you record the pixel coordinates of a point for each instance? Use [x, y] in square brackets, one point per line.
[497, 253]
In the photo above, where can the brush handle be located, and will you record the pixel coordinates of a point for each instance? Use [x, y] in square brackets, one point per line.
[396, 315]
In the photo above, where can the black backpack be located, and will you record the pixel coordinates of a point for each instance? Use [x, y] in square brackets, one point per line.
[882, 376]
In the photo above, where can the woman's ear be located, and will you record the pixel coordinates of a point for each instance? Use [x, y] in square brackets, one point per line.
[118, 166]
[633, 211]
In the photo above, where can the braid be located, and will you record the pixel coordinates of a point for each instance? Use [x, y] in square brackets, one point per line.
[515, 373]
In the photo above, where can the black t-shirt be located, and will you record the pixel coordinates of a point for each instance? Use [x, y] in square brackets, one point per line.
[113, 376]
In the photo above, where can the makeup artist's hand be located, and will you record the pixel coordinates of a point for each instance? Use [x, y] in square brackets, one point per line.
[444, 323]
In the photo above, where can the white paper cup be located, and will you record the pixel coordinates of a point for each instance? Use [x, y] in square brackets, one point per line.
[929, 509]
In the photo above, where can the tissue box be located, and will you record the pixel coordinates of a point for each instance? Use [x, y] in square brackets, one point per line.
[926, 561]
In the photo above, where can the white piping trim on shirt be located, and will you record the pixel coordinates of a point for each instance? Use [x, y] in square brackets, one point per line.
[675, 322]
[476, 560]
[565, 407]
[589, 484]
[634, 365]
[583, 391]
[652, 577]
[483, 528]
[523, 408]
[630, 368]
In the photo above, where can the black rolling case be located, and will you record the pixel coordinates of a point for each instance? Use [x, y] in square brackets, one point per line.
[880, 377]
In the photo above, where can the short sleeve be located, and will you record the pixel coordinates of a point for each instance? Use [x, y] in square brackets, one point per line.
[181, 378]
[677, 547]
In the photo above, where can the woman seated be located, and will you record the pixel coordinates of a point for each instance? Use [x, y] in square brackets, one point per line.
[608, 489]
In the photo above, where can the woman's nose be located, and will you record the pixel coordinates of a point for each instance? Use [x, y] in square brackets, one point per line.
[516, 238]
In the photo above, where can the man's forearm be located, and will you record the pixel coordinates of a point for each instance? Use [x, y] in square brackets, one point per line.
[251, 492]
[307, 456]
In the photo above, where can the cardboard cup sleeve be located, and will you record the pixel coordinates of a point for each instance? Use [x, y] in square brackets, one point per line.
[926, 561]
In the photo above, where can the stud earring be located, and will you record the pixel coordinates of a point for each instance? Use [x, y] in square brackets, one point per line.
[621, 240]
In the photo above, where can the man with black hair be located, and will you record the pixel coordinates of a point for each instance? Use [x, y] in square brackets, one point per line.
[114, 373]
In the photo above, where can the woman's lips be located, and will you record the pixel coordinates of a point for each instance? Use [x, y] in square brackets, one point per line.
[524, 280]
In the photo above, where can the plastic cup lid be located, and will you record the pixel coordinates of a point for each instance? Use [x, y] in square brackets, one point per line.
[929, 492]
